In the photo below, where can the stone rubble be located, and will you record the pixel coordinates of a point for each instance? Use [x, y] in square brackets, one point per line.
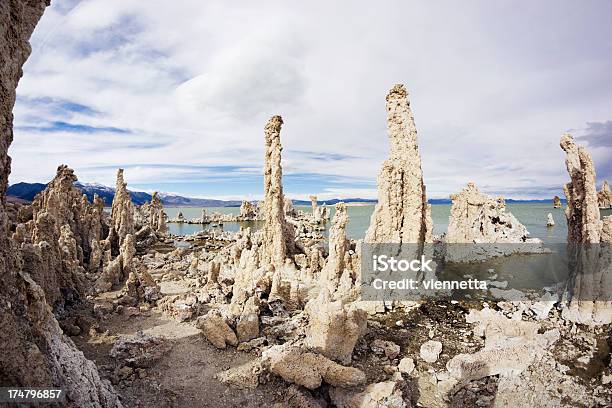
[406, 365]
[245, 376]
[511, 346]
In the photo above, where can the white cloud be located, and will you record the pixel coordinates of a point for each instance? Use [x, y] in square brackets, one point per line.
[492, 87]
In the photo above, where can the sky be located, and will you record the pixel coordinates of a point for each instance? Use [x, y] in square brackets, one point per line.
[178, 93]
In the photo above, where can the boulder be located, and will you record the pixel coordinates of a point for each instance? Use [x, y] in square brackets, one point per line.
[245, 376]
[308, 369]
[216, 330]
[430, 351]
[333, 327]
[386, 394]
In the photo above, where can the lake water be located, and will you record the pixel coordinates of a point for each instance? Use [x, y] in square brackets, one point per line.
[533, 216]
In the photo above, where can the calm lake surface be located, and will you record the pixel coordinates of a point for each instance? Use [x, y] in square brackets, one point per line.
[533, 216]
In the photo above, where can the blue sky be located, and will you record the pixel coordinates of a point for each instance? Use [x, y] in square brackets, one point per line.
[179, 96]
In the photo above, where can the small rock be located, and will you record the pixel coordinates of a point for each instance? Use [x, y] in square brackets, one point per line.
[125, 372]
[406, 365]
[584, 359]
[250, 345]
[430, 351]
[241, 377]
[389, 369]
[131, 311]
[388, 348]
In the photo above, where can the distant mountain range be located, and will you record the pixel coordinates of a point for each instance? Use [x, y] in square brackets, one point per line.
[27, 191]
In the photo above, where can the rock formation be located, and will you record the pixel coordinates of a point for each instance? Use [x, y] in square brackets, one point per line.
[582, 212]
[310, 369]
[314, 206]
[117, 270]
[67, 205]
[289, 208]
[334, 327]
[338, 247]
[149, 222]
[589, 240]
[550, 222]
[477, 218]
[62, 225]
[340, 273]
[278, 236]
[556, 202]
[122, 214]
[511, 346]
[402, 214]
[386, 394]
[248, 210]
[94, 227]
[217, 331]
[154, 215]
[35, 352]
[319, 213]
[604, 196]
[247, 327]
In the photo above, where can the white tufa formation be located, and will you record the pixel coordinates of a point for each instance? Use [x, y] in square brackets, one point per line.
[248, 210]
[278, 236]
[589, 240]
[157, 217]
[477, 218]
[402, 214]
[604, 196]
[35, 352]
[122, 213]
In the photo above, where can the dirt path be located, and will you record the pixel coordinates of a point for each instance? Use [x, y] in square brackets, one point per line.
[184, 376]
